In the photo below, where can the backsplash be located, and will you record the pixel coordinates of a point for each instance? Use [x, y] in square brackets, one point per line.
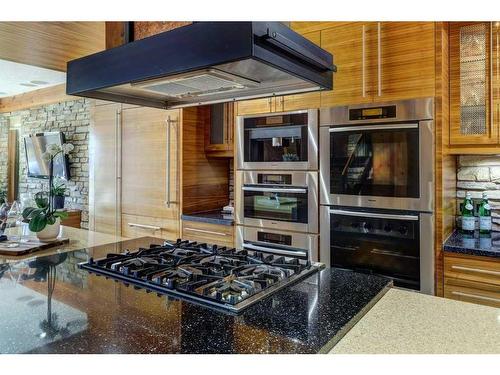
[478, 173]
[72, 118]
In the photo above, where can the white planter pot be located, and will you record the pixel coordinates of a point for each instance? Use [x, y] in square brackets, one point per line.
[50, 232]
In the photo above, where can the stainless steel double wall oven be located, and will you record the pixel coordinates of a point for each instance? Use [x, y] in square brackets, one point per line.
[377, 190]
[277, 183]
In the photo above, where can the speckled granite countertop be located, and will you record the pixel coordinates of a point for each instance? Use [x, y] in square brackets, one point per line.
[91, 314]
[405, 322]
[483, 246]
[211, 217]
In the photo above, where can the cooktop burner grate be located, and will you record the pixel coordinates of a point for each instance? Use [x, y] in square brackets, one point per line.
[221, 277]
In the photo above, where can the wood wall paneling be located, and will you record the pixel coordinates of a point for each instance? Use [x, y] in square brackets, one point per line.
[50, 44]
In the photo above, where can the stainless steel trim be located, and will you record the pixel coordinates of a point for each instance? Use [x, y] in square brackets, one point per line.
[306, 241]
[167, 174]
[273, 250]
[206, 231]
[355, 128]
[274, 190]
[144, 226]
[374, 215]
[484, 298]
[312, 146]
[118, 171]
[301, 178]
[426, 176]
[363, 66]
[478, 270]
[406, 110]
[379, 60]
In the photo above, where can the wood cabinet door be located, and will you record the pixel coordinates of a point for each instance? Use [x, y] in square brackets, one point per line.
[471, 87]
[300, 101]
[104, 155]
[351, 46]
[250, 107]
[150, 163]
[404, 60]
[219, 130]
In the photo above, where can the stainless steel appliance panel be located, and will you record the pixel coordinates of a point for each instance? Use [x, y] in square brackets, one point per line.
[291, 199]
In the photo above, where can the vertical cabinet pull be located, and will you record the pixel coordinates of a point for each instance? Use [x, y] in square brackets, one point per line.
[167, 174]
[379, 60]
[118, 171]
[363, 53]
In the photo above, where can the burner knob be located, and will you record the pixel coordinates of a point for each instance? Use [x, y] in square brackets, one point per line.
[403, 229]
[387, 228]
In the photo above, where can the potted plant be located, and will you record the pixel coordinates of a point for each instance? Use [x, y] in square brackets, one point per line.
[45, 219]
[58, 191]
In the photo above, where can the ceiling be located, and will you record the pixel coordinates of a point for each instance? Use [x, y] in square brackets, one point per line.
[16, 78]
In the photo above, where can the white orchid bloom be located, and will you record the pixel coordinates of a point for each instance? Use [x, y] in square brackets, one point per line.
[53, 149]
[67, 148]
[46, 156]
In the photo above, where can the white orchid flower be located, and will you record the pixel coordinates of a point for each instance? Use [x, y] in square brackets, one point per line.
[53, 149]
[46, 156]
[67, 148]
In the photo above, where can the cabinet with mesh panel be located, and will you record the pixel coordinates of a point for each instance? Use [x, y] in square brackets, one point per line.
[474, 78]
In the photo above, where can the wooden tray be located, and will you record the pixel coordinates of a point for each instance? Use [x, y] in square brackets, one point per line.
[29, 247]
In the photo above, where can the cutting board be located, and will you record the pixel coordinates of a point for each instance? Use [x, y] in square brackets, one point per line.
[31, 246]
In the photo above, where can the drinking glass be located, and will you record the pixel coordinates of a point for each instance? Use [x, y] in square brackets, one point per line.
[12, 219]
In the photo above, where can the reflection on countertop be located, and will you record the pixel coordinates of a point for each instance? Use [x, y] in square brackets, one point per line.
[103, 316]
[211, 217]
[481, 245]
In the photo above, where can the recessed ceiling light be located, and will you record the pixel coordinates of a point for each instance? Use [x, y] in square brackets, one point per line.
[36, 82]
[27, 84]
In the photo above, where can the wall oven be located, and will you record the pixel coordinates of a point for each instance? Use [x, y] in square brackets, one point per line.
[287, 140]
[378, 155]
[279, 242]
[397, 244]
[278, 200]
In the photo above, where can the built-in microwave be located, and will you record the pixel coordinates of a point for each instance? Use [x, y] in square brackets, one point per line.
[378, 155]
[278, 200]
[286, 140]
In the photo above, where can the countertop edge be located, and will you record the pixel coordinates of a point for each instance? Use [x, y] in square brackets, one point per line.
[354, 320]
[451, 246]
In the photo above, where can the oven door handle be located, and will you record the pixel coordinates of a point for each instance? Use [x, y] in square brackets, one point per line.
[374, 215]
[275, 190]
[357, 128]
[272, 250]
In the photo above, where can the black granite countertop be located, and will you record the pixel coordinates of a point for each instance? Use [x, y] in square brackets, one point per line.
[211, 217]
[49, 305]
[488, 246]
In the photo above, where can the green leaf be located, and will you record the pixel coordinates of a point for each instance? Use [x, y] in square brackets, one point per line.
[42, 202]
[51, 220]
[38, 222]
[28, 211]
[61, 214]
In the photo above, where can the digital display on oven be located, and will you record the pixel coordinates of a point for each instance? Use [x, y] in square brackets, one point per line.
[274, 179]
[280, 239]
[372, 113]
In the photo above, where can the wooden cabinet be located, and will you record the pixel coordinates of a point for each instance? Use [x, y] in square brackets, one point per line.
[219, 131]
[379, 61]
[104, 179]
[474, 83]
[149, 167]
[134, 226]
[472, 279]
[207, 232]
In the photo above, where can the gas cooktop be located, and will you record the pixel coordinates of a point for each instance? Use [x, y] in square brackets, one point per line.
[219, 277]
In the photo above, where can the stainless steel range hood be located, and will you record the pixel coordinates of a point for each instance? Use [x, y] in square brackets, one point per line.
[204, 63]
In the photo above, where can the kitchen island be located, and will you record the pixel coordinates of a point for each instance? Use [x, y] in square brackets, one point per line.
[49, 305]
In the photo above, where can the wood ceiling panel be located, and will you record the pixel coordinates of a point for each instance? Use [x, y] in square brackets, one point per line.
[50, 44]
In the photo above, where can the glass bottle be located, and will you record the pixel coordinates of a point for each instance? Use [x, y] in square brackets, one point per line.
[468, 220]
[485, 216]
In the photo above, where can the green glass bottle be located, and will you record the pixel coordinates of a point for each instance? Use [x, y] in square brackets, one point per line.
[485, 216]
[468, 220]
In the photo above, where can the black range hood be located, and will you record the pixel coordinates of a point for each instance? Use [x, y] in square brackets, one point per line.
[204, 63]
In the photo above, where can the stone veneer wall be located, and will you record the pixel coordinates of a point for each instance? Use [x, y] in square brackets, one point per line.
[72, 118]
[478, 173]
[4, 147]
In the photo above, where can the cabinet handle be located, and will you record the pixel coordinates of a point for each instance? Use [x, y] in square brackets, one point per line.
[477, 296]
[167, 175]
[379, 59]
[270, 101]
[206, 231]
[118, 171]
[477, 270]
[363, 37]
[144, 226]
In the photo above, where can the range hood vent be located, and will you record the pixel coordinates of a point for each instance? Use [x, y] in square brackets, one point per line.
[204, 63]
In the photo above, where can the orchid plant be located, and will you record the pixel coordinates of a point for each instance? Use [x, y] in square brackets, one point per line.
[44, 213]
